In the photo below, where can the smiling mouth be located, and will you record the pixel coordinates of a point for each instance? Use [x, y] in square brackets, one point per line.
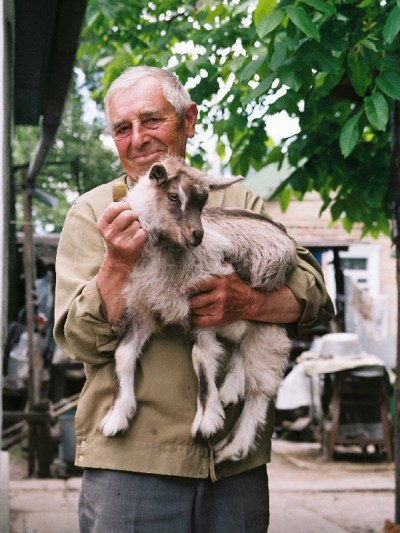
[146, 155]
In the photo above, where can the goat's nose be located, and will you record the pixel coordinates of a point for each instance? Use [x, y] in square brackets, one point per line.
[197, 236]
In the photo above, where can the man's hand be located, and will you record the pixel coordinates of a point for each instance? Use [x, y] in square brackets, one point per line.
[221, 300]
[124, 238]
[123, 235]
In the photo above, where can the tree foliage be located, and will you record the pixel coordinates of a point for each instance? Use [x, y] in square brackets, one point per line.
[333, 65]
[77, 162]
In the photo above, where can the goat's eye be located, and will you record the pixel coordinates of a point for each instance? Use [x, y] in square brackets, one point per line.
[173, 197]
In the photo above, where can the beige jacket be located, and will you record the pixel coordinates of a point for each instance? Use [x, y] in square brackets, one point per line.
[158, 439]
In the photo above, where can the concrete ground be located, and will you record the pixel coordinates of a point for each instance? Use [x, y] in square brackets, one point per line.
[307, 496]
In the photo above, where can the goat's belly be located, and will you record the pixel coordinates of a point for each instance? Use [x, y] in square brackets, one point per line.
[233, 331]
[165, 303]
[176, 312]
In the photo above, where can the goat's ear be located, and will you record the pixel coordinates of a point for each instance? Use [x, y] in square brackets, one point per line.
[159, 173]
[215, 183]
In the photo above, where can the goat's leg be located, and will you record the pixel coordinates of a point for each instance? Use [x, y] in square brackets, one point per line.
[241, 439]
[264, 350]
[206, 354]
[124, 405]
[233, 387]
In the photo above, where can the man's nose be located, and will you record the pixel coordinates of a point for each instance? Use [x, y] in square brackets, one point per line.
[139, 134]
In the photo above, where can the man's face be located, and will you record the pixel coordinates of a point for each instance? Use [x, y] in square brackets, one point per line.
[146, 128]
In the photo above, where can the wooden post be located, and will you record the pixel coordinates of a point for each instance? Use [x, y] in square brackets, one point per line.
[35, 370]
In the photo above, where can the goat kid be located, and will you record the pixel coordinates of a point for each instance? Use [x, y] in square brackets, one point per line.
[186, 244]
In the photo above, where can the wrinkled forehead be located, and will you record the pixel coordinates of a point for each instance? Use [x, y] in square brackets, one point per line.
[142, 99]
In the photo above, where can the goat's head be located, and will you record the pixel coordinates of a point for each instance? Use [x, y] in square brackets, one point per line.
[183, 191]
[179, 195]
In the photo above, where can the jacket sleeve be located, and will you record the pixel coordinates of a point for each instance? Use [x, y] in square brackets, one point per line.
[81, 329]
[308, 285]
[306, 281]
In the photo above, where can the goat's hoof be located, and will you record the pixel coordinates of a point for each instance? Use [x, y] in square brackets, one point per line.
[229, 454]
[111, 425]
[229, 449]
[209, 422]
[232, 390]
[228, 397]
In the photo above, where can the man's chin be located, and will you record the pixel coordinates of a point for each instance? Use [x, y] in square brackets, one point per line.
[140, 165]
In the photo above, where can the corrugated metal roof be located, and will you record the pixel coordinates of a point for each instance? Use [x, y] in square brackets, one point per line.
[46, 40]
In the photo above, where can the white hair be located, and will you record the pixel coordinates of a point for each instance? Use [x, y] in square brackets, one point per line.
[173, 90]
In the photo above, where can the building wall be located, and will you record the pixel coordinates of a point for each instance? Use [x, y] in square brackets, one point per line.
[6, 31]
[304, 222]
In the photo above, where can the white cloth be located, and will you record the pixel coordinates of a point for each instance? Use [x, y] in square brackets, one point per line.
[295, 390]
[321, 365]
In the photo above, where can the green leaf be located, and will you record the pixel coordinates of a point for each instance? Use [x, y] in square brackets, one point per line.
[360, 74]
[291, 78]
[216, 12]
[389, 83]
[299, 180]
[279, 55]
[261, 89]
[269, 23]
[320, 5]
[300, 18]
[250, 69]
[337, 209]
[320, 57]
[347, 224]
[377, 111]
[391, 62]
[221, 151]
[275, 156]
[392, 26]
[285, 197]
[367, 43]
[349, 135]
[263, 9]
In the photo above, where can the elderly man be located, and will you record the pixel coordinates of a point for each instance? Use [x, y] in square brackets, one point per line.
[155, 477]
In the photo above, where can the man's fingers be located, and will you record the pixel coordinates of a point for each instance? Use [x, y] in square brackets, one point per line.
[200, 300]
[205, 286]
[118, 216]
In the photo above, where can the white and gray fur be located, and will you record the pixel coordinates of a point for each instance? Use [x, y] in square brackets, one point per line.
[186, 244]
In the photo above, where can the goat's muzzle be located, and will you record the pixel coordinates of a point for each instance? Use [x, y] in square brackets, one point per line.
[197, 237]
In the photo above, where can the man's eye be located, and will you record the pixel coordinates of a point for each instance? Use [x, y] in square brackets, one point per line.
[152, 123]
[173, 197]
[124, 129]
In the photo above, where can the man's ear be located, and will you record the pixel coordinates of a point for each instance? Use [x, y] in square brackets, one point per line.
[159, 173]
[190, 119]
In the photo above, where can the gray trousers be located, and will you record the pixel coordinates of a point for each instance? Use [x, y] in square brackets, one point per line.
[125, 502]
